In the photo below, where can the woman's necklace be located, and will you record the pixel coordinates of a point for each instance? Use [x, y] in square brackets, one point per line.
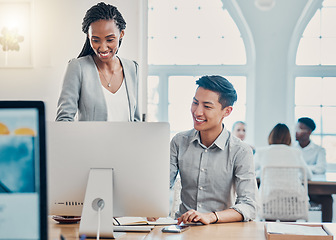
[108, 82]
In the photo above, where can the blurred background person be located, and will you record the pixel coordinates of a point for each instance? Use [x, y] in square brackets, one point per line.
[279, 152]
[239, 130]
[313, 154]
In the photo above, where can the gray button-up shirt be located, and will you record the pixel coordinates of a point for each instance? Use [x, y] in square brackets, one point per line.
[214, 178]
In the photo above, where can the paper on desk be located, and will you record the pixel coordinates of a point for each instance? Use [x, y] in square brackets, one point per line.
[282, 228]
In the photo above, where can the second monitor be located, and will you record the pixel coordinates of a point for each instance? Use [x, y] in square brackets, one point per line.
[137, 152]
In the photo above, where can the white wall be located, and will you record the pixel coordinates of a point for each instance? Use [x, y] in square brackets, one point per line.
[57, 37]
[272, 32]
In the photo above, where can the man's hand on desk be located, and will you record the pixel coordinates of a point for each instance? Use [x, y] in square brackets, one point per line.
[193, 216]
[152, 219]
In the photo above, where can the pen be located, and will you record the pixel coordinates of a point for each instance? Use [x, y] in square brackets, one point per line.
[62, 238]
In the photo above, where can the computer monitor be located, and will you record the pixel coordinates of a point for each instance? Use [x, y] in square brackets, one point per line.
[23, 203]
[138, 153]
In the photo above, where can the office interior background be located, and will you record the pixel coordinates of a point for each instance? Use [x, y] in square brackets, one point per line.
[280, 56]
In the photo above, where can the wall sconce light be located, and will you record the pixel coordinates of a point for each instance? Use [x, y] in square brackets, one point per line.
[10, 40]
[15, 33]
[264, 5]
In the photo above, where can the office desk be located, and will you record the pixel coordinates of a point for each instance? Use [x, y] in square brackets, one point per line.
[70, 232]
[239, 230]
[320, 189]
[323, 184]
[249, 230]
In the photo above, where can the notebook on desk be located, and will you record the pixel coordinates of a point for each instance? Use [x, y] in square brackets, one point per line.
[23, 205]
[137, 221]
[139, 224]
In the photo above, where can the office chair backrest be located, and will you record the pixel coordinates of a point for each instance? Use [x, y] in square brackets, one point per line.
[284, 193]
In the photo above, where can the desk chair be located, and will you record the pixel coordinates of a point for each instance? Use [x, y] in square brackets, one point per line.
[284, 193]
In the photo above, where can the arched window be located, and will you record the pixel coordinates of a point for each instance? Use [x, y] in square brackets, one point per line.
[315, 76]
[188, 39]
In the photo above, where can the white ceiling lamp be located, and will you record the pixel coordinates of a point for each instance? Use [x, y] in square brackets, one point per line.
[264, 5]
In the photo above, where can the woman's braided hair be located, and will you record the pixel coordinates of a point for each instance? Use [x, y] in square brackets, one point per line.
[101, 11]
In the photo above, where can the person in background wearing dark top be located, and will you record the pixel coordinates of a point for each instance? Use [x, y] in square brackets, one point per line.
[239, 130]
[98, 85]
[315, 157]
[216, 169]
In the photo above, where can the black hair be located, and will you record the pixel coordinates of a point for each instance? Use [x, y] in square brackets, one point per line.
[100, 11]
[219, 84]
[308, 122]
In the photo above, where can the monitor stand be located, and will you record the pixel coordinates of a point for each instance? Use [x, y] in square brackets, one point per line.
[99, 194]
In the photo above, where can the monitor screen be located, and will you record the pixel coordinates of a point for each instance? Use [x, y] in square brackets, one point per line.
[138, 153]
[22, 170]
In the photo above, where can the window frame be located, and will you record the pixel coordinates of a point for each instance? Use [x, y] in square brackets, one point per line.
[163, 72]
[295, 71]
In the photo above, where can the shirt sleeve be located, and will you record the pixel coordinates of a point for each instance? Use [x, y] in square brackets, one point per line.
[246, 185]
[68, 101]
[173, 161]
[321, 163]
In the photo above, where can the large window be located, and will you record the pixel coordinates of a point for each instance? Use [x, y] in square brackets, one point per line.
[188, 39]
[315, 72]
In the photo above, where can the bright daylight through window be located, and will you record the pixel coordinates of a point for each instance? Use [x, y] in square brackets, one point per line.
[315, 86]
[188, 39]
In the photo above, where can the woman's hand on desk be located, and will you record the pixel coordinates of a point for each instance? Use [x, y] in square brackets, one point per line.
[193, 216]
[152, 219]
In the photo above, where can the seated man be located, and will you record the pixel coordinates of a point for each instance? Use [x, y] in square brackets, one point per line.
[313, 154]
[315, 157]
[216, 169]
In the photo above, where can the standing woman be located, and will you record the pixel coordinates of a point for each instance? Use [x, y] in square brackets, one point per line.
[98, 85]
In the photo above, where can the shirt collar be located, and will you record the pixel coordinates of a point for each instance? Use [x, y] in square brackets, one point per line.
[220, 142]
[310, 145]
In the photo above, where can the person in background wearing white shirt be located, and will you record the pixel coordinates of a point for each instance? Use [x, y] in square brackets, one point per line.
[279, 152]
[313, 154]
[315, 157]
